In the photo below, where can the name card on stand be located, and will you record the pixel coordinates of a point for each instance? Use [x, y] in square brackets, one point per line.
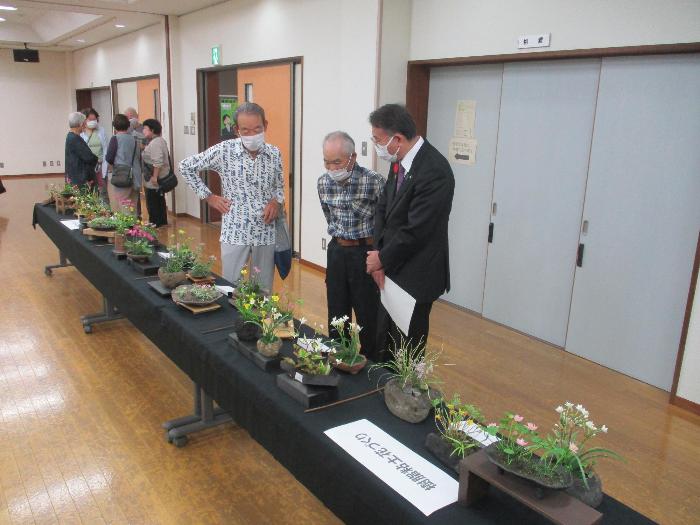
[423, 484]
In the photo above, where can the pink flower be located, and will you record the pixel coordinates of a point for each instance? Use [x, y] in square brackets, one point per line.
[492, 425]
[518, 418]
[573, 448]
[521, 442]
[531, 426]
[256, 269]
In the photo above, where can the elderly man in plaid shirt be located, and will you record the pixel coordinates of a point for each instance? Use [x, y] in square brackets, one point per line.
[349, 195]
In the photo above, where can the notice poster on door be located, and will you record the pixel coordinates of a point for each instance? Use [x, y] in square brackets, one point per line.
[227, 105]
[465, 117]
[462, 151]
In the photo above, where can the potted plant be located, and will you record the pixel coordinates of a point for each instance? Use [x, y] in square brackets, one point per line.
[201, 269]
[122, 223]
[103, 223]
[268, 315]
[347, 355]
[64, 197]
[568, 445]
[196, 294]
[408, 391]
[139, 250]
[142, 231]
[179, 260]
[310, 364]
[247, 291]
[515, 453]
[455, 422]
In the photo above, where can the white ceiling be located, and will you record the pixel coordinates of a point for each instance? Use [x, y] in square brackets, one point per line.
[58, 25]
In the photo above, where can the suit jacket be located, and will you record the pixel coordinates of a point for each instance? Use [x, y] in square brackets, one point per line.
[410, 228]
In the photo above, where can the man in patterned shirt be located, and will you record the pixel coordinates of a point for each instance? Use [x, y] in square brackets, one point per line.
[253, 190]
[349, 194]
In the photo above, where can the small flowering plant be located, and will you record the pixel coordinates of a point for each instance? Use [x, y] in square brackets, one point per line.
[348, 344]
[266, 312]
[138, 247]
[182, 257]
[311, 356]
[248, 282]
[451, 417]
[568, 443]
[142, 230]
[517, 438]
[202, 267]
[413, 365]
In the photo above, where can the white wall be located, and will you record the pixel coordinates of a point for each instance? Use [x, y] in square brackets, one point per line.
[453, 28]
[136, 54]
[34, 104]
[689, 380]
[337, 39]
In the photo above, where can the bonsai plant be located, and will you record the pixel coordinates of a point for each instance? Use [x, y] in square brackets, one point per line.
[138, 250]
[196, 294]
[268, 315]
[103, 223]
[201, 269]
[568, 445]
[248, 282]
[180, 260]
[408, 391]
[64, 197]
[122, 223]
[454, 421]
[310, 364]
[347, 355]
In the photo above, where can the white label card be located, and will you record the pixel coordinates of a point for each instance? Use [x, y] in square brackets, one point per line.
[71, 224]
[423, 484]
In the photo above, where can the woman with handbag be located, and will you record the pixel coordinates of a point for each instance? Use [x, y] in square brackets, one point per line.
[124, 159]
[156, 166]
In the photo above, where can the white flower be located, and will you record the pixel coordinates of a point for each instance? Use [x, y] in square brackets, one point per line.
[302, 321]
[559, 409]
[568, 404]
[590, 425]
[338, 323]
[604, 429]
[582, 410]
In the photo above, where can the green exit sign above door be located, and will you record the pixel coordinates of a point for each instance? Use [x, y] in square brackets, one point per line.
[216, 56]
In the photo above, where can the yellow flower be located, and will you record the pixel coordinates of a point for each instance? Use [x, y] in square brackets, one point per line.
[274, 298]
[244, 271]
[470, 422]
[181, 231]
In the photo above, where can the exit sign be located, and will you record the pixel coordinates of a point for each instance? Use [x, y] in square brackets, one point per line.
[216, 56]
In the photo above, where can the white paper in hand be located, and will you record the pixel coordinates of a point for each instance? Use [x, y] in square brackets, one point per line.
[398, 303]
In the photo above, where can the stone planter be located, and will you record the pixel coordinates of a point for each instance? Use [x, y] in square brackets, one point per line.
[138, 258]
[443, 450]
[591, 496]
[119, 239]
[170, 279]
[206, 279]
[351, 369]
[246, 331]
[330, 380]
[408, 405]
[269, 349]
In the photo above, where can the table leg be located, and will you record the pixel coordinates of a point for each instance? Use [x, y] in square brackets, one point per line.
[204, 416]
[109, 313]
[48, 270]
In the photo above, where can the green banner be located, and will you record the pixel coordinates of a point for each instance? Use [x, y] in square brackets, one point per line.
[227, 107]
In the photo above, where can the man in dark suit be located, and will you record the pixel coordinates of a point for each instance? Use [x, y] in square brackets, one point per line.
[410, 231]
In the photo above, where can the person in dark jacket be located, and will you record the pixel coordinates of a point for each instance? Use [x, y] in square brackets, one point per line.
[80, 161]
[411, 220]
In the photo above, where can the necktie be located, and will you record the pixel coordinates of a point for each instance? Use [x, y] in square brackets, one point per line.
[401, 173]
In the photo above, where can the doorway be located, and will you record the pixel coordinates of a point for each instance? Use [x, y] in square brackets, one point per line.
[276, 86]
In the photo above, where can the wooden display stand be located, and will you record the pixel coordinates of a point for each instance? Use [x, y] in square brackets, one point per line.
[63, 204]
[250, 352]
[199, 309]
[476, 473]
[102, 234]
[308, 396]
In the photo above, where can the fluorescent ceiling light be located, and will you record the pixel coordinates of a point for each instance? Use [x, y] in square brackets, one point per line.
[81, 40]
[2, 19]
[119, 26]
[7, 8]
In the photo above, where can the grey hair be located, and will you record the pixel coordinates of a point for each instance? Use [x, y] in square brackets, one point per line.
[348, 143]
[249, 108]
[131, 111]
[76, 119]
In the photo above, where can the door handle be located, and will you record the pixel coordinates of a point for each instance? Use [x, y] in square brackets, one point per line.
[491, 232]
[579, 255]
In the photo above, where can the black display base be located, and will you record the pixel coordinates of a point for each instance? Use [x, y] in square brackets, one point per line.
[159, 288]
[249, 351]
[119, 255]
[308, 396]
[147, 268]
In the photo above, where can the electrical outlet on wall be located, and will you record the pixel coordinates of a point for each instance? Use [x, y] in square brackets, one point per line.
[58, 163]
[187, 130]
[364, 148]
[323, 243]
[50, 163]
[2, 164]
[44, 162]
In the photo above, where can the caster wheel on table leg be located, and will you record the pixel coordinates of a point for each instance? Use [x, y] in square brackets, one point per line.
[87, 329]
[180, 441]
[48, 272]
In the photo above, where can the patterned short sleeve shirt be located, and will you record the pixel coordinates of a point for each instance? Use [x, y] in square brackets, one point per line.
[248, 183]
[349, 206]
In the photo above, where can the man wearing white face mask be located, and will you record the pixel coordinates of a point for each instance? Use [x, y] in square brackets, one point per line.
[349, 194]
[253, 190]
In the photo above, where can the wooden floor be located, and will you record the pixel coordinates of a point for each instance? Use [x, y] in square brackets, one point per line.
[80, 415]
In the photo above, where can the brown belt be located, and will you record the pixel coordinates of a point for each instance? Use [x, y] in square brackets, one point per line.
[366, 241]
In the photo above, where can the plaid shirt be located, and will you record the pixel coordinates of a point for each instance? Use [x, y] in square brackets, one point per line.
[349, 206]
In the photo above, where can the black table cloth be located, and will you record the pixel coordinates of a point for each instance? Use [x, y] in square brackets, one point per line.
[273, 418]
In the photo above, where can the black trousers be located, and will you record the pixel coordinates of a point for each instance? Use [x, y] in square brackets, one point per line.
[348, 288]
[389, 335]
[157, 209]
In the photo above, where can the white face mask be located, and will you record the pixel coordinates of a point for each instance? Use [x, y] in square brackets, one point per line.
[91, 124]
[383, 151]
[341, 174]
[253, 142]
